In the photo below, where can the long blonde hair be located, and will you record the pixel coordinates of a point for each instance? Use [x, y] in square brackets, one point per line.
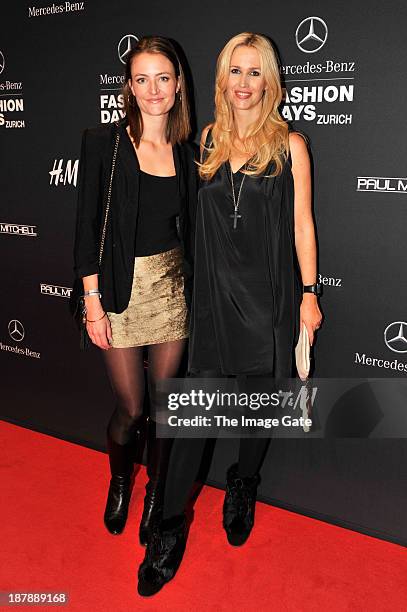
[268, 136]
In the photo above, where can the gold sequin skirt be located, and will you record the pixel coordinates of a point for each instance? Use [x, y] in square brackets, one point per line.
[157, 311]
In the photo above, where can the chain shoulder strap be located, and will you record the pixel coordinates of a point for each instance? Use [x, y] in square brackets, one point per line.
[208, 144]
[109, 194]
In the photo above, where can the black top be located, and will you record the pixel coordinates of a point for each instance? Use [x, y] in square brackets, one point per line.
[159, 205]
[247, 288]
[116, 269]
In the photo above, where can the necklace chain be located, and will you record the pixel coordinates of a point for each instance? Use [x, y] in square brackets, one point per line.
[236, 216]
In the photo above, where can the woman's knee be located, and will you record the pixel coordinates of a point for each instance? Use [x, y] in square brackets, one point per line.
[129, 408]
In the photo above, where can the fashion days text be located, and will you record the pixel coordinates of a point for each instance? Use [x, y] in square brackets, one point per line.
[254, 401]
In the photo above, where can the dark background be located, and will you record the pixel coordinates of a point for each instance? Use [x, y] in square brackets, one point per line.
[59, 59]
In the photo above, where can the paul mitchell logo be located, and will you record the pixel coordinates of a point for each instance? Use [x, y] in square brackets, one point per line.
[125, 45]
[18, 229]
[395, 337]
[16, 330]
[311, 34]
[64, 175]
[55, 290]
[382, 184]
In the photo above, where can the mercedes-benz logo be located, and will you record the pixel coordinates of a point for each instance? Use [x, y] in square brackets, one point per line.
[311, 34]
[2, 62]
[395, 336]
[16, 330]
[125, 46]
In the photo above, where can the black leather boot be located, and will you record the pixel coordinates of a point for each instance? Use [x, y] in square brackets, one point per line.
[239, 505]
[164, 553]
[158, 453]
[121, 466]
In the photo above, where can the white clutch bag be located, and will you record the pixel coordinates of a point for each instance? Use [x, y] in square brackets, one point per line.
[302, 354]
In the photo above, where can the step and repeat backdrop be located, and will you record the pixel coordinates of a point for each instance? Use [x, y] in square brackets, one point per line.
[343, 69]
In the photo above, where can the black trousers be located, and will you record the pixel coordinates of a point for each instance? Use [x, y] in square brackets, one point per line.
[187, 453]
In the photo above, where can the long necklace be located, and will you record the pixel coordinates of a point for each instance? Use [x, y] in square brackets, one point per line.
[235, 215]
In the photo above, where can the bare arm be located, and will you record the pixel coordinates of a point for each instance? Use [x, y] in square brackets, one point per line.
[305, 242]
[98, 325]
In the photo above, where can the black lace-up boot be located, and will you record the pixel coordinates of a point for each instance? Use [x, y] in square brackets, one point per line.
[239, 505]
[164, 553]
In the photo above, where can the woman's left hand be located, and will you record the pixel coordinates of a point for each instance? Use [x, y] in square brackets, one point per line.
[310, 314]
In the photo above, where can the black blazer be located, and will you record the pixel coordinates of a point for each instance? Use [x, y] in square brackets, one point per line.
[116, 270]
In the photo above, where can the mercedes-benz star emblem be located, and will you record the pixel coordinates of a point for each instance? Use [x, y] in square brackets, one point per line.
[311, 34]
[125, 46]
[16, 330]
[2, 62]
[395, 336]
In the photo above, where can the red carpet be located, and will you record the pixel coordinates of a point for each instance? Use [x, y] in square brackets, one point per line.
[53, 539]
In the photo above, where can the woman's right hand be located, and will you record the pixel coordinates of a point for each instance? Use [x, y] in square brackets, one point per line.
[99, 330]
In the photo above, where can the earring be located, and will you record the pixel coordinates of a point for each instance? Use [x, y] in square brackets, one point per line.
[131, 100]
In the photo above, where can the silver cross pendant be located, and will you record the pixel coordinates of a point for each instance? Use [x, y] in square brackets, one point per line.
[235, 216]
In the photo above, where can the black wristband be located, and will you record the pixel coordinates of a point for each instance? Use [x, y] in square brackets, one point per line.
[316, 289]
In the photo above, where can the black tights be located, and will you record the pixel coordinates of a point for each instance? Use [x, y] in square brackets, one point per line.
[125, 368]
[187, 453]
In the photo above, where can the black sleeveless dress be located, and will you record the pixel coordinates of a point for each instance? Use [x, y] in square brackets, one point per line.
[247, 285]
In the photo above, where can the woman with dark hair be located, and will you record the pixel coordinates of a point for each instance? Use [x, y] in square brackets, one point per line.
[254, 279]
[138, 295]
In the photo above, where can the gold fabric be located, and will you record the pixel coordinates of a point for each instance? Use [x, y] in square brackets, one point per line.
[157, 310]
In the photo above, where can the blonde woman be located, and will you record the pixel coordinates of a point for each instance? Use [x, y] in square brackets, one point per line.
[255, 277]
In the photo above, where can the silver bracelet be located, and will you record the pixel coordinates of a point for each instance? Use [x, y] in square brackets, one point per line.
[92, 292]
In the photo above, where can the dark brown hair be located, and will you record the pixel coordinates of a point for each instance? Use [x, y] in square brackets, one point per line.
[179, 121]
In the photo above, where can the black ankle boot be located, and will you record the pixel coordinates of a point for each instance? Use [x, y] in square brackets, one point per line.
[121, 484]
[163, 557]
[158, 453]
[152, 511]
[239, 505]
